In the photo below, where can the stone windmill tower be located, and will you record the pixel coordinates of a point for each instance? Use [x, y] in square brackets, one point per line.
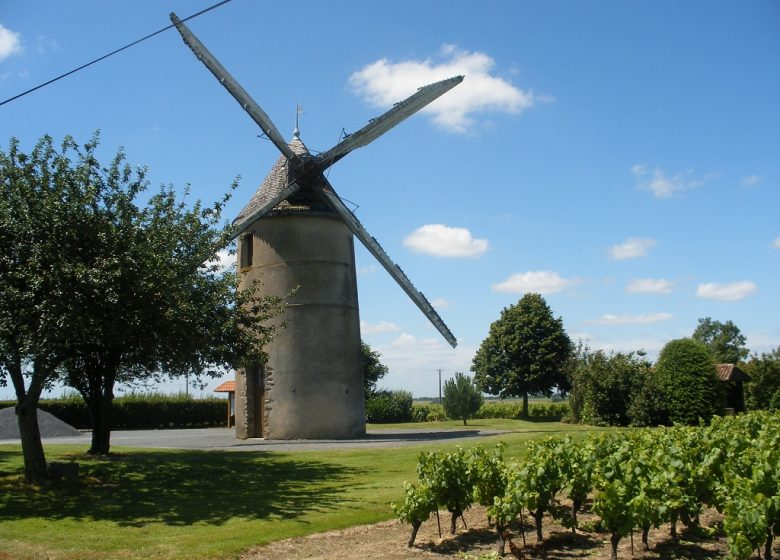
[297, 233]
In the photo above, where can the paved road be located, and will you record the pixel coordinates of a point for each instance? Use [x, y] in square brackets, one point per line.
[224, 439]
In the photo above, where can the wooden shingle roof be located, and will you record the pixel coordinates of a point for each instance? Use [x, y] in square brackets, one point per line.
[273, 184]
[730, 372]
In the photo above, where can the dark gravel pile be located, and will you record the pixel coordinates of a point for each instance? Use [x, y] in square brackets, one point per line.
[50, 425]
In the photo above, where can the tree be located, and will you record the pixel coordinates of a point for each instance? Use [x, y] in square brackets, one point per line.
[461, 398]
[686, 373]
[38, 240]
[142, 298]
[762, 392]
[724, 340]
[525, 352]
[373, 369]
[606, 385]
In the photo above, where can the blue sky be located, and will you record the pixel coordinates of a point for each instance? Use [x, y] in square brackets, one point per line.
[621, 158]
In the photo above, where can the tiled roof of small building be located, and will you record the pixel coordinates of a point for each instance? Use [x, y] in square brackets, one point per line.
[730, 372]
[273, 184]
[226, 387]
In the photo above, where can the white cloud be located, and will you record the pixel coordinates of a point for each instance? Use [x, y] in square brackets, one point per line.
[631, 248]
[224, 260]
[643, 319]
[535, 281]
[726, 292]
[663, 186]
[443, 241]
[441, 303]
[649, 286]
[10, 42]
[45, 45]
[750, 180]
[414, 362]
[383, 83]
[382, 326]
[776, 243]
[368, 269]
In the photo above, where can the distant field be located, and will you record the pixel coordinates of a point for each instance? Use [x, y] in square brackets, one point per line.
[435, 400]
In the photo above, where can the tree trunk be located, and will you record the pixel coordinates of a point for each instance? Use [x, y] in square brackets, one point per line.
[454, 521]
[27, 419]
[538, 517]
[768, 544]
[615, 539]
[501, 530]
[95, 382]
[525, 405]
[30, 434]
[415, 527]
[100, 414]
[575, 505]
[673, 530]
[645, 532]
[464, 421]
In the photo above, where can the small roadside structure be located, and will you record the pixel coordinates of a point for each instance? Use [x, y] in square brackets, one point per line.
[229, 387]
[733, 378]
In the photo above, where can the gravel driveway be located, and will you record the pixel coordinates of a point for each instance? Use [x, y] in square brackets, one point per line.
[224, 439]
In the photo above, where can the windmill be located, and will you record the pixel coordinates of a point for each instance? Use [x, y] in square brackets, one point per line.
[296, 232]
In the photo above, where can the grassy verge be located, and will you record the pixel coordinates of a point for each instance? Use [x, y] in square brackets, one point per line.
[200, 504]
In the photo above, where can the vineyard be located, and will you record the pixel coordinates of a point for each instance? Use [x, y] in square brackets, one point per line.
[633, 481]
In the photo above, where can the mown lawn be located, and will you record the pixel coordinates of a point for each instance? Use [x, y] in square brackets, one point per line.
[142, 503]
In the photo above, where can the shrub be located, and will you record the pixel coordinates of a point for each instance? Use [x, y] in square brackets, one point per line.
[389, 406]
[428, 413]
[462, 399]
[762, 392]
[605, 385]
[686, 373]
[514, 410]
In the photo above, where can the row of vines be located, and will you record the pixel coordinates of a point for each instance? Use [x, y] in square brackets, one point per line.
[635, 480]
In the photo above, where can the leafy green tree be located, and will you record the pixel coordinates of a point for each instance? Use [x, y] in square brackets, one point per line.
[373, 369]
[604, 386]
[762, 392]
[686, 373]
[140, 297]
[525, 352]
[461, 397]
[723, 340]
[38, 240]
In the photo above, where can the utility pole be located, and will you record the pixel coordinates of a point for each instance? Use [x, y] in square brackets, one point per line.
[439, 386]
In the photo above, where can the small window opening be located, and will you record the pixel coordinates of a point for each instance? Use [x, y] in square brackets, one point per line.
[246, 251]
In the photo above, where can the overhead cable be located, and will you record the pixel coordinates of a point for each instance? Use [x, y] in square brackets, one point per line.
[217, 5]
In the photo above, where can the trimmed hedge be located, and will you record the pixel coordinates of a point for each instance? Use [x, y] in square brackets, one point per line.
[537, 411]
[141, 412]
[389, 406]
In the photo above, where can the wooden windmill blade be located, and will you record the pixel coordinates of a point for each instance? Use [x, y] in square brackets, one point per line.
[239, 93]
[370, 243]
[378, 126]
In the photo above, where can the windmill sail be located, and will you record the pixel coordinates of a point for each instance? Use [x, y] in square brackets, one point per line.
[393, 269]
[378, 126]
[304, 171]
[239, 93]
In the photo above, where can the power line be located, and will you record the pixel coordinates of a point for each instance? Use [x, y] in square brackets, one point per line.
[217, 5]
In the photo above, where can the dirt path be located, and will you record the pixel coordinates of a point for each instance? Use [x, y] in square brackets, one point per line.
[387, 540]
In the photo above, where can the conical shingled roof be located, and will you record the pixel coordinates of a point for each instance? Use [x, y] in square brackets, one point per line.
[273, 184]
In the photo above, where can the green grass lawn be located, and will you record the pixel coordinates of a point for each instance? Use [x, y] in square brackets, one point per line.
[142, 503]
